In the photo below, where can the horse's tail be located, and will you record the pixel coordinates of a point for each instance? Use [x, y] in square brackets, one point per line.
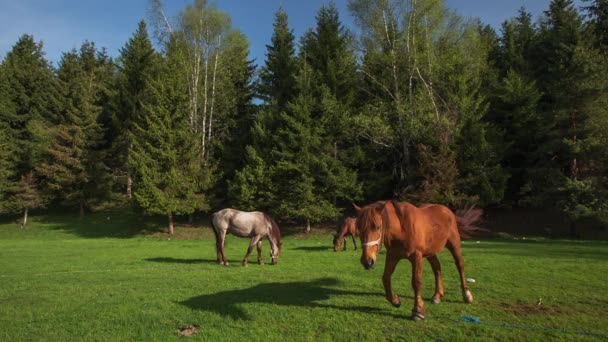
[215, 229]
[468, 221]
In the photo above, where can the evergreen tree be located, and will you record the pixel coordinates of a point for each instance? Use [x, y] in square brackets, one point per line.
[165, 155]
[559, 76]
[517, 44]
[73, 169]
[515, 111]
[277, 77]
[27, 196]
[329, 53]
[137, 62]
[597, 24]
[28, 104]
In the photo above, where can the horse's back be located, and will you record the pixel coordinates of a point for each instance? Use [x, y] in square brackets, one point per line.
[351, 226]
[240, 223]
[428, 227]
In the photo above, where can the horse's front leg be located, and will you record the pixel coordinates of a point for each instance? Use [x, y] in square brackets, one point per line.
[418, 311]
[252, 244]
[434, 261]
[389, 267]
[260, 261]
[221, 248]
[354, 241]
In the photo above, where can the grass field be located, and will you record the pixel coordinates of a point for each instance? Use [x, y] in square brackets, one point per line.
[106, 279]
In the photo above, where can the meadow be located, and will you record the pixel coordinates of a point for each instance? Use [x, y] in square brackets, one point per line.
[113, 277]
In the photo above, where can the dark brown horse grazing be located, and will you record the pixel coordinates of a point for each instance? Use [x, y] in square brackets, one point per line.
[348, 227]
[414, 233]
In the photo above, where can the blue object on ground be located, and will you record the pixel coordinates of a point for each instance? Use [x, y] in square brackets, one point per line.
[469, 318]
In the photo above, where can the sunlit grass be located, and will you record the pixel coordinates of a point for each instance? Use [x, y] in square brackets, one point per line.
[110, 279]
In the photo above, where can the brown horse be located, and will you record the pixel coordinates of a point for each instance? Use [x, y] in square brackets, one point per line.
[414, 233]
[348, 227]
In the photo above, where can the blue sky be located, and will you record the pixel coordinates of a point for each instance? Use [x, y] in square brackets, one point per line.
[65, 24]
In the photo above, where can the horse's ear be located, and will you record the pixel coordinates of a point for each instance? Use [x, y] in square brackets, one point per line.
[357, 208]
[379, 209]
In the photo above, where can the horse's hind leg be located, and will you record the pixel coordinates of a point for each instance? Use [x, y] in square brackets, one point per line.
[454, 247]
[260, 261]
[218, 244]
[434, 261]
[252, 244]
[354, 241]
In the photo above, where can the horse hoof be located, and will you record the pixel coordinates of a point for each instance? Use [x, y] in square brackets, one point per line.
[260, 263]
[468, 297]
[245, 265]
[418, 317]
[396, 302]
[435, 300]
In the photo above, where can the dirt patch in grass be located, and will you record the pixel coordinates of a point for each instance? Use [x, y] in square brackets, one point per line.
[189, 330]
[530, 309]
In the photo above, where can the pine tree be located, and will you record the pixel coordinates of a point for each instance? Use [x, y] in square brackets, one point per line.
[517, 44]
[559, 76]
[27, 196]
[137, 62]
[165, 155]
[597, 25]
[277, 77]
[73, 169]
[329, 53]
[28, 105]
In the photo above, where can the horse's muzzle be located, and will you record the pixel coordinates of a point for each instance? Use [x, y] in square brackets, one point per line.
[368, 264]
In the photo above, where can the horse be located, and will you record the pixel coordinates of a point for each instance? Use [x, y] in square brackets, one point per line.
[256, 225]
[348, 227]
[414, 233]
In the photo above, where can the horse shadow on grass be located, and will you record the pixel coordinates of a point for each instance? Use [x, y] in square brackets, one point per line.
[313, 248]
[300, 294]
[170, 260]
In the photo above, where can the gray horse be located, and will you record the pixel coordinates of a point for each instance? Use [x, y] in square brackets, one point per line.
[255, 225]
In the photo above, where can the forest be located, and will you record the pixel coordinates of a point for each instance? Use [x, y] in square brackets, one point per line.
[422, 104]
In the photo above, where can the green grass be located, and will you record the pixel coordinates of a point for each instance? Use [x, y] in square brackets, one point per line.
[108, 279]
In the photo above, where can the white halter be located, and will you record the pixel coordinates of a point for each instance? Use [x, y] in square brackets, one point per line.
[376, 242]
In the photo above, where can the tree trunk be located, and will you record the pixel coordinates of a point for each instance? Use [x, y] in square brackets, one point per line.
[129, 184]
[217, 53]
[24, 218]
[171, 223]
[190, 218]
[81, 209]
[307, 226]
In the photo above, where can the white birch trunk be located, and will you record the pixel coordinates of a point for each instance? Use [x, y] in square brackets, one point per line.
[217, 53]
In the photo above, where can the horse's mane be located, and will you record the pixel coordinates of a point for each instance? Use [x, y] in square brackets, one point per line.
[276, 233]
[367, 215]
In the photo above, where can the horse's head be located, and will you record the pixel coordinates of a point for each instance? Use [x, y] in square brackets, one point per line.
[275, 240]
[337, 242]
[369, 225]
